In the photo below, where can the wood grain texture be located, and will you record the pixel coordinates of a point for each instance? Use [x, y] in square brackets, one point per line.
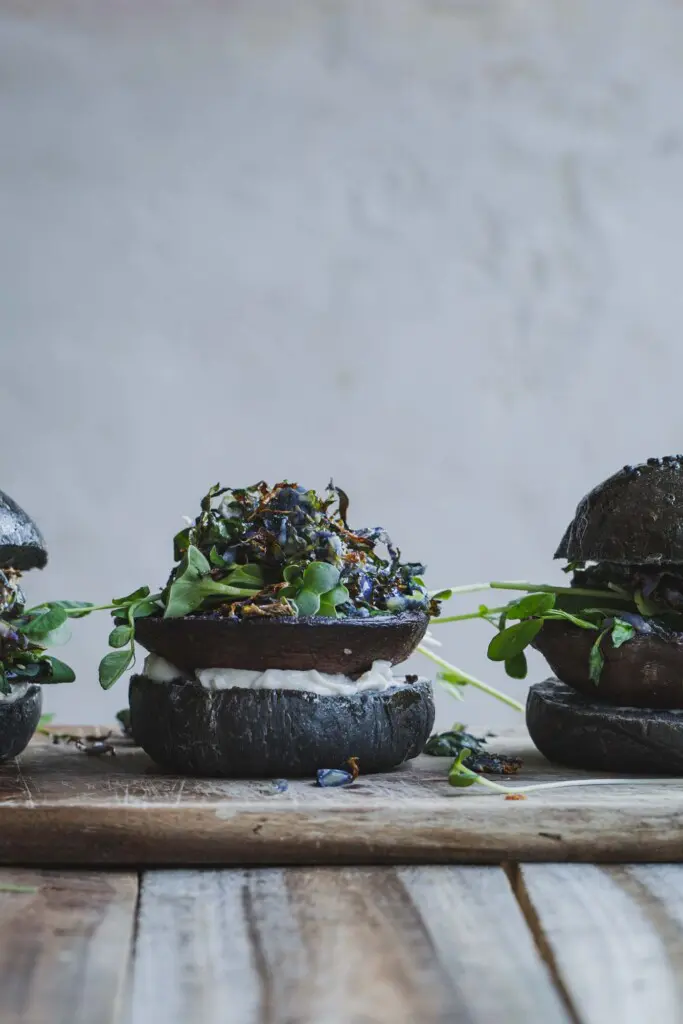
[614, 936]
[65, 946]
[337, 946]
[59, 806]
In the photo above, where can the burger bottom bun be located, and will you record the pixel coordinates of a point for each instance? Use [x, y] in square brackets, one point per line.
[240, 733]
[573, 731]
[18, 721]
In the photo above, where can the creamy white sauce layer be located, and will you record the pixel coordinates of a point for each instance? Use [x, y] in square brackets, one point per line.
[378, 678]
[17, 690]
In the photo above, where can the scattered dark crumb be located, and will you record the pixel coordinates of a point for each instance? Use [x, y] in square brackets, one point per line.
[79, 741]
[486, 763]
[95, 748]
[412, 679]
[550, 835]
[278, 786]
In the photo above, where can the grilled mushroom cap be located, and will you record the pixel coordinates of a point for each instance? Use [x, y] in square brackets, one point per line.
[646, 672]
[346, 646]
[21, 543]
[636, 516]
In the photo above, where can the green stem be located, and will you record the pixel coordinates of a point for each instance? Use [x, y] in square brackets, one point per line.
[469, 680]
[469, 588]
[564, 784]
[531, 588]
[547, 588]
[468, 615]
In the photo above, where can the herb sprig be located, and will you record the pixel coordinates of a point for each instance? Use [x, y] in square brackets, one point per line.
[610, 613]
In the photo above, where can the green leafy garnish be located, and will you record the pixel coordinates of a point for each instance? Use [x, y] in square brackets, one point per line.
[511, 642]
[272, 551]
[594, 603]
[596, 659]
[531, 605]
[26, 633]
[622, 632]
[113, 666]
[120, 636]
[516, 667]
[194, 586]
[459, 775]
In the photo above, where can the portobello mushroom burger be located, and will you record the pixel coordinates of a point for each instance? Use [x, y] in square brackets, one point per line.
[272, 644]
[614, 636]
[25, 634]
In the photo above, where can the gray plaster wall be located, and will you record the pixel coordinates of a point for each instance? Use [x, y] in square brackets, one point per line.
[432, 248]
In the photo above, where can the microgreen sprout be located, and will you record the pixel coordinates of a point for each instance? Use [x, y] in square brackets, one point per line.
[462, 777]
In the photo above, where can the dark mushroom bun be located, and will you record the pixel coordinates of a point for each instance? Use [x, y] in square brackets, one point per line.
[21, 548]
[345, 646]
[646, 672]
[21, 543]
[595, 736]
[239, 733]
[634, 517]
[19, 717]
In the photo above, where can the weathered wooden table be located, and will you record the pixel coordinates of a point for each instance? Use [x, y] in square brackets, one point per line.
[397, 900]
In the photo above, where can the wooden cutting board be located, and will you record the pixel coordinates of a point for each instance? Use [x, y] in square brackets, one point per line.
[60, 806]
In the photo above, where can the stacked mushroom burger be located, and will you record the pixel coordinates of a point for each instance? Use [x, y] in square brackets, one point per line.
[272, 643]
[24, 634]
[618, 704]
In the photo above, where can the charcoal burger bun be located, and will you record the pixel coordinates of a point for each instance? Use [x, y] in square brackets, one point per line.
[634, 517]
[241, 733]
[21, 543]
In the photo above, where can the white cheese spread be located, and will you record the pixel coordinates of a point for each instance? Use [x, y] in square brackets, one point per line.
[378, 678]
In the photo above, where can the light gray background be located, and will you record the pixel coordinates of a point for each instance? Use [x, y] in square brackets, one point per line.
[433, 248]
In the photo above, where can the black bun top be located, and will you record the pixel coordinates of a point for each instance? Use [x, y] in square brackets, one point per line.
[21, 542]
[636, 516]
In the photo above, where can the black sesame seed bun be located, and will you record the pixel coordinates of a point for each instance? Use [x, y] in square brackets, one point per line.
[634, 517]
[21, 543]
[240, 733]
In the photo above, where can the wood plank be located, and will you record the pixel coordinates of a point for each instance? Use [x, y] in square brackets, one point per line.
[65, 945]
[614, 936]
[59, 806]
[439, 945]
